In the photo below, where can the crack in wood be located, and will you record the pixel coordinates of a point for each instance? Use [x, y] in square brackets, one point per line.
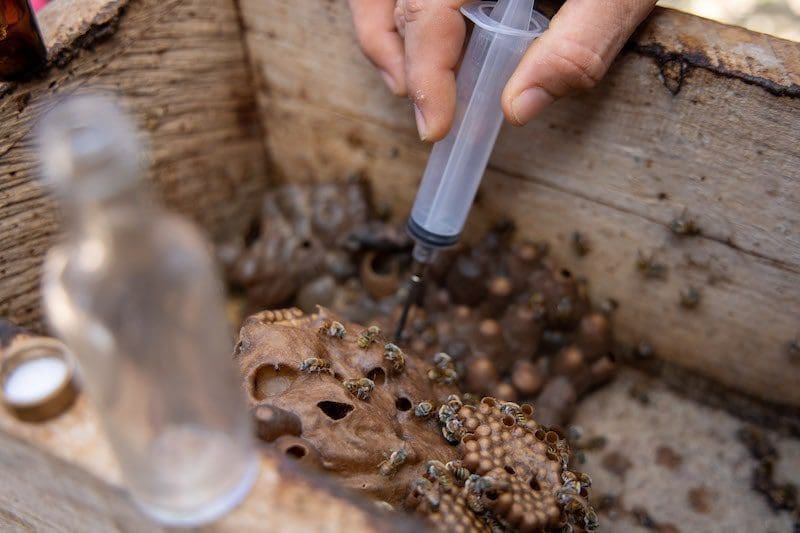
[700, 60]
[777, 263]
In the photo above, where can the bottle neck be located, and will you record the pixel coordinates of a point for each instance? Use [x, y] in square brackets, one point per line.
[86, 215]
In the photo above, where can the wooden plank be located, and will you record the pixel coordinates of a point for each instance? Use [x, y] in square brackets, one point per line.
[179, 65]
[41, 493]
[78, 487]
[703, 122]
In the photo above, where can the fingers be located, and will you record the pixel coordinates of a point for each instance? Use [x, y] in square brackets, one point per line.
[378, 38]
[434, 36]
[573, 54]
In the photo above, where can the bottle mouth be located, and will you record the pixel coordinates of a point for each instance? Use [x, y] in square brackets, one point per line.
[88, 148]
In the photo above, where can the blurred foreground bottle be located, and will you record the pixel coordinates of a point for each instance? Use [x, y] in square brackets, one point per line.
[133, 291]
[22, 50]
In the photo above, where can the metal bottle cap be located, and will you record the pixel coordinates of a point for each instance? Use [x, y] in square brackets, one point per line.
[37, 359]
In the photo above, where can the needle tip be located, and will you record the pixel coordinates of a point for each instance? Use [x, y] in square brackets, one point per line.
[414, 286]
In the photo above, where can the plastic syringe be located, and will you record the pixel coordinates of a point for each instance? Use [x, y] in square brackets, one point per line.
[502, 33]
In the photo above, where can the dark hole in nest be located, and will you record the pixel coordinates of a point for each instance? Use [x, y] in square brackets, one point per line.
[296, 451]
[492, 494]
[335, 410]
[378, 375]
[510, 470]
[402, 404]
[566, 273]
[535, 484]
[306, 244]
[253, 232]
[381, 264]
[508, 420]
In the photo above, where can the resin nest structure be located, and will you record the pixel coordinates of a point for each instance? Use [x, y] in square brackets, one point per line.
[302, 233]
[517, 326]
[341, 398]
[512, 476]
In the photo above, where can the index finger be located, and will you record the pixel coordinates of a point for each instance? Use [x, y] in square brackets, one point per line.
[378, 38]
[435, 31]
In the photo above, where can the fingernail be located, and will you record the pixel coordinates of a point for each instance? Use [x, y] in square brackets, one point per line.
[529, 103]
[390, 82]
[422, 128]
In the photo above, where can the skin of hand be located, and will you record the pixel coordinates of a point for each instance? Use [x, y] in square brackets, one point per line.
[417, 44]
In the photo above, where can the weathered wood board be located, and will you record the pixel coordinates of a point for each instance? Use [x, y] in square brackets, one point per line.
[41, 493]
[76, 486]
[180, 66]
[695, 118]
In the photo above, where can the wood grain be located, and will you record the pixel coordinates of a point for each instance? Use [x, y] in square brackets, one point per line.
[41, 493]
[699, 123]
[179, 66]
[81, 484]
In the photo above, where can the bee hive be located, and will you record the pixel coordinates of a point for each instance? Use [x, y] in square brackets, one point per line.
[671, 187]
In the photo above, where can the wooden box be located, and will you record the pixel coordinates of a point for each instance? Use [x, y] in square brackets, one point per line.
[695, 119]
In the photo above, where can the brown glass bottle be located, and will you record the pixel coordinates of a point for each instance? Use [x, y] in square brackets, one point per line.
[22, 50]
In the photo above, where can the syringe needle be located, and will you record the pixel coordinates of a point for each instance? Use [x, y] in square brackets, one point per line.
[414, 289]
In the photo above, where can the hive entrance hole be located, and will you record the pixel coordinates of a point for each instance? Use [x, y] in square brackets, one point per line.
[403, 404]
[378, 375]
[335, 410]
[535, 484]
[382, 264]
[297, 451]
[269, 380]
[510, 470]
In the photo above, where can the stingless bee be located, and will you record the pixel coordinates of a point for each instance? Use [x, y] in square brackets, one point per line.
[443, 370]
[359, 387]
[514, 410]
[315, 364]
[333, 329]
[454, 401]
[423, 409]
[437, 471]
[448, 376]
[649, 267]
[367, 337]
[460, 474]
[580, 243]
[684, 226]
[390, 466]
[690, 298]
[423, 487]
[442, 360]
[393, 354]
[453, 430]
[446, 412]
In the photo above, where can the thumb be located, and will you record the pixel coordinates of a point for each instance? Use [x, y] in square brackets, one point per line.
[574, 53]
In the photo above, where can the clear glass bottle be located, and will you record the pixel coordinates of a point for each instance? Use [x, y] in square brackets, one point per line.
[133, 291]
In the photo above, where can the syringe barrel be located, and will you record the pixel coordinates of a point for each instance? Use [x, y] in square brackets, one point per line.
[457, 162]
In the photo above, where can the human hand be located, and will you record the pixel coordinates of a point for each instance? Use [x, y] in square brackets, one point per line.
[417, 44]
